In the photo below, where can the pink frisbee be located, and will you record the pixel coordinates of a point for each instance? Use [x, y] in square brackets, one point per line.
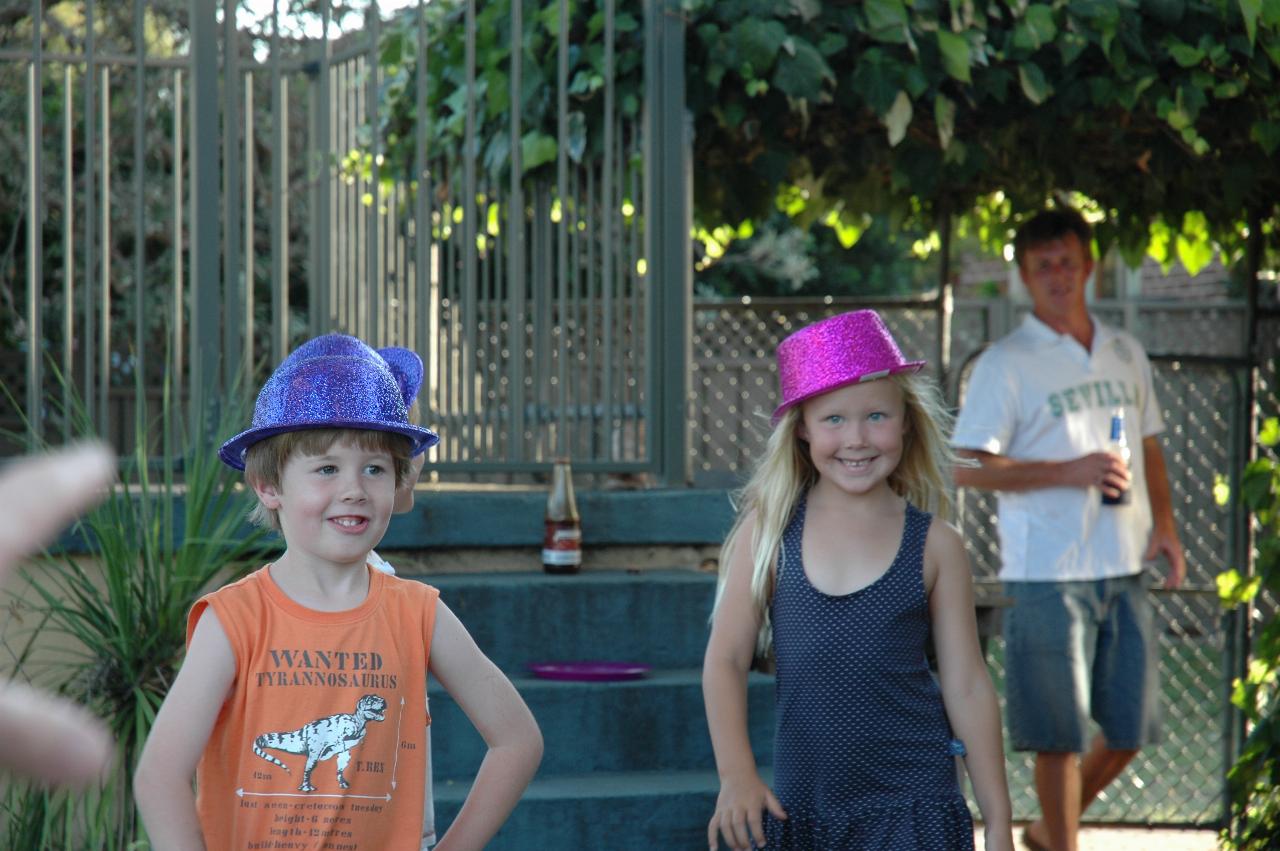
[588, 671]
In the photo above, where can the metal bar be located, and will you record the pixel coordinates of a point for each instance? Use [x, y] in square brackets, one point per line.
[250, 247]
[50, 57]
[176, 323]
[482, 408]
[540, 264]
[278, 227]
[373, 258]
[468, 295]
[321, 282]
[68, 250]
[591, 320]
[946, 295]
[572, 322]
[516, 256]
[280, 293]
[608, 214]
[104, 340]
[562, 245]
[35, 230]
[1240, 635]
[494, 468]
[90, 213]
[206, 293]
[234, 278]
[139, 211]
[422, 216]
[637, 362]
[355, 273]
[677, 258]
[495, 445]
[339, 248]
[350, 191]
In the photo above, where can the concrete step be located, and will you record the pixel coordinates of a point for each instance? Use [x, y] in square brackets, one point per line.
[657, 723]
[658, 617]
[582, 812]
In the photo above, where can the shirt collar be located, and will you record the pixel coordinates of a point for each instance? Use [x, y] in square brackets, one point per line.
[1041, 332]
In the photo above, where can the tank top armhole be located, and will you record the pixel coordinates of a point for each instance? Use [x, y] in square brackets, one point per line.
[432, 598]
[193, 616]
[429, 620]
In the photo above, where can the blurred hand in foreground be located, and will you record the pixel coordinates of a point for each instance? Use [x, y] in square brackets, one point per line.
[45, 738]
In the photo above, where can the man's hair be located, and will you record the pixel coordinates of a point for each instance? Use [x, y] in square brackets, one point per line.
[264, 461]
[1048, 226]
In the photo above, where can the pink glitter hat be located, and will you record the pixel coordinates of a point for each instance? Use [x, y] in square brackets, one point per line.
[844, 349]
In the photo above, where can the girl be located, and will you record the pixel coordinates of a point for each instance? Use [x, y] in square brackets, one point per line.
[835, 569]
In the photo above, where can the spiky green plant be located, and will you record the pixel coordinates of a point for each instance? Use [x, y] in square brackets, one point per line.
[169, 530]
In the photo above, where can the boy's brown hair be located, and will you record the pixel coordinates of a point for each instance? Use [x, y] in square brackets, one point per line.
[264, 461]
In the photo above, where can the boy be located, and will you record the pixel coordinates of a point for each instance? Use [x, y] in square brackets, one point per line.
[300, 706]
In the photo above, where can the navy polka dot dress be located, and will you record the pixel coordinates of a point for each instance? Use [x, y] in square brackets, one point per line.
[863, 753]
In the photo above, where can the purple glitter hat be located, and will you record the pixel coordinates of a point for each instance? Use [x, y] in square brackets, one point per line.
[844, 349]
[405, 365]
[332, 384]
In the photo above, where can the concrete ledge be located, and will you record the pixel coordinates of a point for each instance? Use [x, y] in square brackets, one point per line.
[515, 518]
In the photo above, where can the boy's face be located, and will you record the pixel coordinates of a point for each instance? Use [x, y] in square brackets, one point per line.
[334, 507]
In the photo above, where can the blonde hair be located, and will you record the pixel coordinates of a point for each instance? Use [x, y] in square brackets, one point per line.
[264, 461]
[785, 472]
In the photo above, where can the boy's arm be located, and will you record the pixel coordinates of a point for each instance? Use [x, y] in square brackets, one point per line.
[967, 693]
[500, 716]
[167, 767]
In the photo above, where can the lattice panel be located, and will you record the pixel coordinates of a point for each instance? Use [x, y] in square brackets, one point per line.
[734, 386]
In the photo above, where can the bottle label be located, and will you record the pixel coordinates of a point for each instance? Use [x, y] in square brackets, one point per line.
[562, 558]
[562, 544]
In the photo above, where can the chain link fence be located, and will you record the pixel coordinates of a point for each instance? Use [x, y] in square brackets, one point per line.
[1202, 390]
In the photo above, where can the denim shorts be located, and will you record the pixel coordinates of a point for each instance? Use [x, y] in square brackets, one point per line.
[1079, 650]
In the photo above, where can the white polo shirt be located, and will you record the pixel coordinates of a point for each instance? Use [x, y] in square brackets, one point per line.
[1038, 395]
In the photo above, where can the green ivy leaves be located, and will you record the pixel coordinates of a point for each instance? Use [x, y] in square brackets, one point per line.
[886, 106]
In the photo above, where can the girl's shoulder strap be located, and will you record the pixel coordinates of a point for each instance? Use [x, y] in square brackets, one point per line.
[915, 530]
[789, 546]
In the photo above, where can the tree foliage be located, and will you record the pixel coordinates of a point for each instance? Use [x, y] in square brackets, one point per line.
[1164, 113]
[1254, 780]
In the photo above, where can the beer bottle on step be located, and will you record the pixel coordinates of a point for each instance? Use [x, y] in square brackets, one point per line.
[1118, 445]
[562, 541]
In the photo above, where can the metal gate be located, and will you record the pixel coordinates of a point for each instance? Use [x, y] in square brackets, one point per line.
[220, 194]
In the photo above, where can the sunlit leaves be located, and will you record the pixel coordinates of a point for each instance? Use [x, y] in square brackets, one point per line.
[1034, 84]
[955, 55]
[1234, 589]
[1269, 434]
[1194, 244]
[1037, 28]
[944, 116]
[898, 117]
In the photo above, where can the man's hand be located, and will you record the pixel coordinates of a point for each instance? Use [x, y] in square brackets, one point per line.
[1165, 542]
[48, 739]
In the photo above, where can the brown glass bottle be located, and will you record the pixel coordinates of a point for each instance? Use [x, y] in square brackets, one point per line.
[562, 540]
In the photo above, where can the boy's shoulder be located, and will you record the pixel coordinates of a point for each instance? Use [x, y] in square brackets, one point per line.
[249, 584]
[410, 590]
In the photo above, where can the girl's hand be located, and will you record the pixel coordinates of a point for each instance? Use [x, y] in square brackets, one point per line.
[739, 811]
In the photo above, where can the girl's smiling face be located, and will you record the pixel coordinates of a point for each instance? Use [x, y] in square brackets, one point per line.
[334, 507]
[855, 434]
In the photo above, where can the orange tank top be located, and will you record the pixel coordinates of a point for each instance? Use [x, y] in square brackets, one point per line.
[320, 743]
